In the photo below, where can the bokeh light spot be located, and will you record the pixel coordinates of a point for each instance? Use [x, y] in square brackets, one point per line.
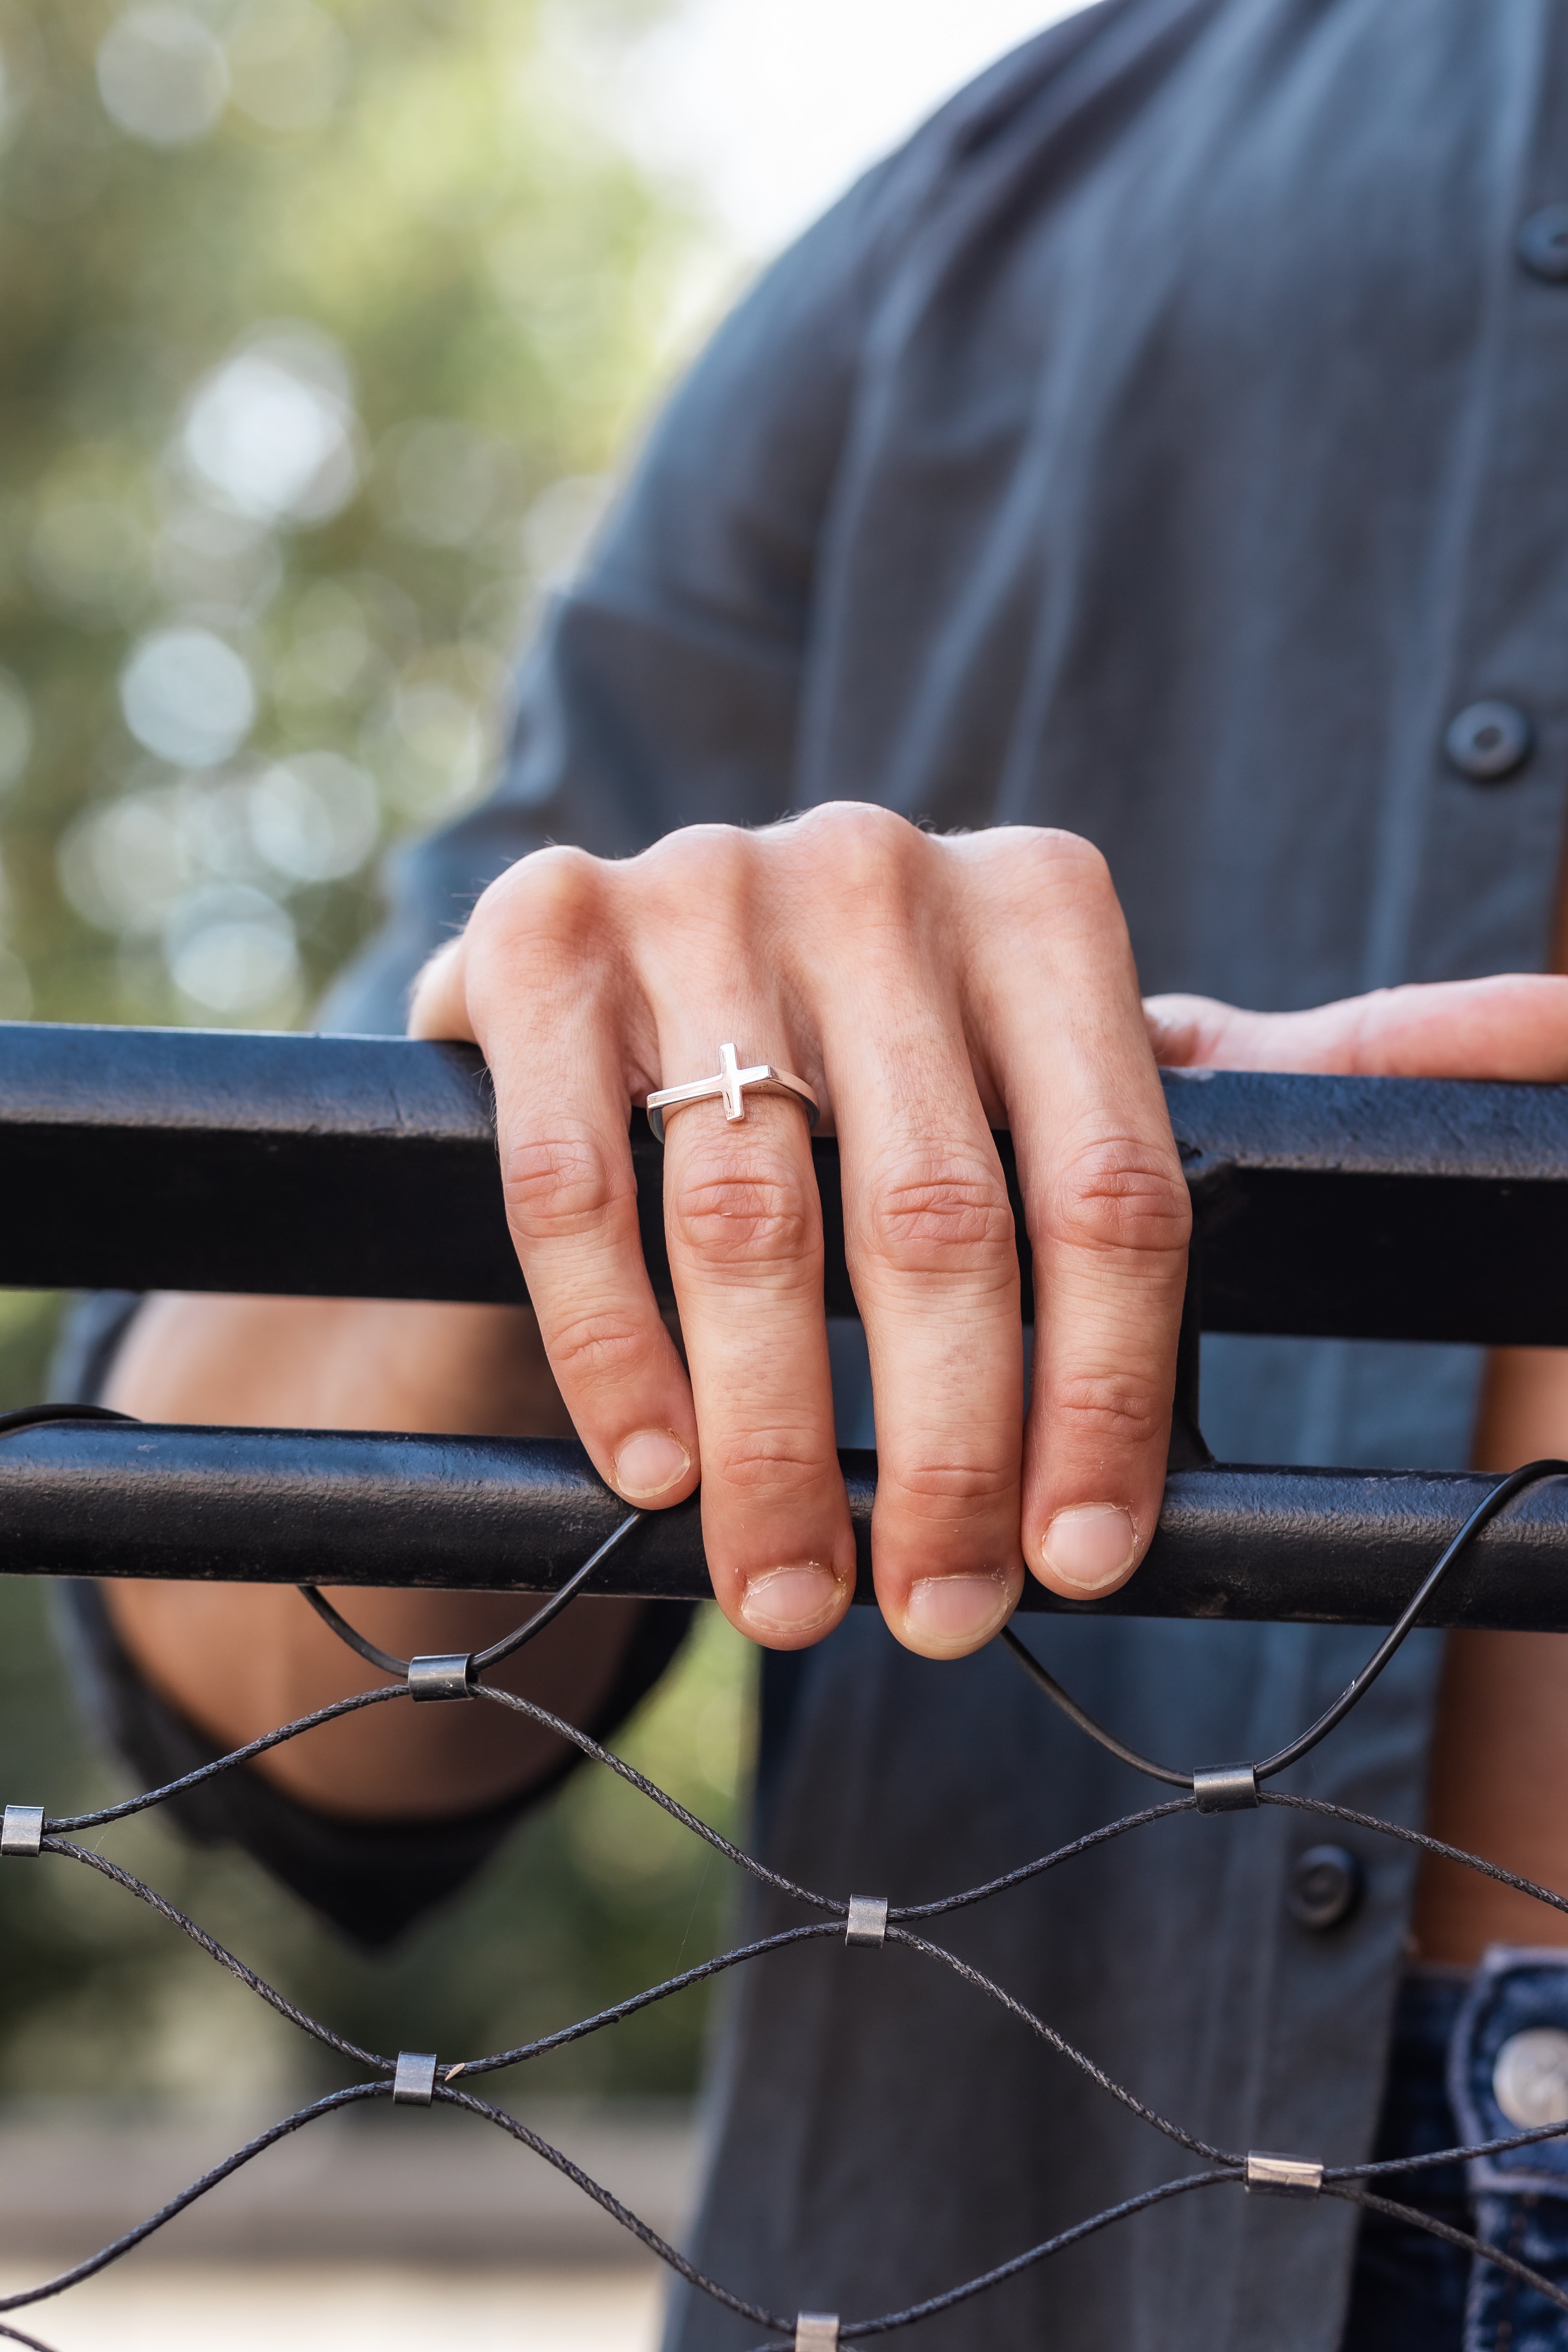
[162, 76]
[271, 432]
[188, 696]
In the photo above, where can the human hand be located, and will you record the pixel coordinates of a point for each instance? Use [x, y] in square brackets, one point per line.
[1511, 1026]
[927, 990]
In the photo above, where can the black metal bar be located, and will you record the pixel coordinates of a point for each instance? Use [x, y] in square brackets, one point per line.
[1369, 1208]
[1366, 1208]
[284, 1507]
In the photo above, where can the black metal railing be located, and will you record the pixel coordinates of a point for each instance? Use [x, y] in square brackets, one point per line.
[1363, 1209]
[1358, 1208]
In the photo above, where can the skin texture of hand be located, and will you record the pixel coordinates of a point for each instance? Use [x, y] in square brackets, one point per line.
[928, 989]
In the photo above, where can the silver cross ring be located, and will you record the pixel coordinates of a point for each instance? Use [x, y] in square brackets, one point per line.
[731, 1083]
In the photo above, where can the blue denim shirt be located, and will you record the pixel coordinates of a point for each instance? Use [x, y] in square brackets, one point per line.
[1166, 443]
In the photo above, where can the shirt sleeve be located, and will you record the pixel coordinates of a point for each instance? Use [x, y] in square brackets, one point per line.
[371, 1879]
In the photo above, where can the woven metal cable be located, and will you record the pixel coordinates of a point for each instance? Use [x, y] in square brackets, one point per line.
[1220, 2167]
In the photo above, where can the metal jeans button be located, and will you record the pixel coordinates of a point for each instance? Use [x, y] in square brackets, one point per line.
[1325, 1888]
[1529, 2081]
[1488, 741]
[1542, 242]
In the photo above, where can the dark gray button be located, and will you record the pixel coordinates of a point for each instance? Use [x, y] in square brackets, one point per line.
[1326, 1885]
[1543, 242]
[1489, 741]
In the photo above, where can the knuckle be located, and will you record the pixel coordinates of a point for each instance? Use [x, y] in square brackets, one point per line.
[957, 1486]
[865, 856]
[697, 866]
[776, 1463]
[1069, 859]
[1119, 1194]
[1114, 1407]
[560, 1186]
[1044, 876]
[554, 894]
[941, 1215]
[597, 1349]
[746, 1209]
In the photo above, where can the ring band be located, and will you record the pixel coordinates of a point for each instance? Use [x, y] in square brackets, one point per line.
[732, 1083]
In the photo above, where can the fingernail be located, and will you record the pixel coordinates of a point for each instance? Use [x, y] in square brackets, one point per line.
[791, 1600]
[955, 1612]
[1090, 1546]
[649, 1463]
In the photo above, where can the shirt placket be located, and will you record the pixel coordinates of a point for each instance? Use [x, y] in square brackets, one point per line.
[1472, 886]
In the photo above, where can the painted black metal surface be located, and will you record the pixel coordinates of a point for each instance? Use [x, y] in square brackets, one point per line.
[139, 1159]
[1366, 1208]
[287, 1507]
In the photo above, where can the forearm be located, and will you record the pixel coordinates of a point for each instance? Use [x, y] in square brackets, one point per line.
[1499, 1764]
[236, 1660]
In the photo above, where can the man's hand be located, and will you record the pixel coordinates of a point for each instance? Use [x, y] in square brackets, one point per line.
[1513, 1027]
[928, 989]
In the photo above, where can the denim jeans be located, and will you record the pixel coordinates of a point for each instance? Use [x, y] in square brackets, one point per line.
[1410, 2291]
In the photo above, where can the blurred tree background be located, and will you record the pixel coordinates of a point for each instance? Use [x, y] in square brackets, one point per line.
[323, 321]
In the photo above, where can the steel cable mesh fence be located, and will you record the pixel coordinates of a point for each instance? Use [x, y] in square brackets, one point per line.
[425, 2079]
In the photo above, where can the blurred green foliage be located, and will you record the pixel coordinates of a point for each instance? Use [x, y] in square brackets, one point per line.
[322, 325]
[296, 426]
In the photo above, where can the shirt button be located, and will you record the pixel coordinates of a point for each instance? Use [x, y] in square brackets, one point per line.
[1542, 244]
[1325, 1888]
[1489, 741]
[1529, 2081]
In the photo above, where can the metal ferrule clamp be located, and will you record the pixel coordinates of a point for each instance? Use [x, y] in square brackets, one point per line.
[816, 2331]
[414, 2084]
[22, 1829]
[868, 1922]
[440, 1677]
[1282, 2175]
[1225, 1789]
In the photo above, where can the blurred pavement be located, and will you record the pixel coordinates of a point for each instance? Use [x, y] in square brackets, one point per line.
[395, 2230]
[169, 2307]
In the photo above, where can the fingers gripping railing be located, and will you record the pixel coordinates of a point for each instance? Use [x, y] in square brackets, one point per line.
[1374, 1209]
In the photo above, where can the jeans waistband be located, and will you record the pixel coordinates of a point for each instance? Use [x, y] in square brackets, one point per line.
[1508, 2069]
[1475, 2057]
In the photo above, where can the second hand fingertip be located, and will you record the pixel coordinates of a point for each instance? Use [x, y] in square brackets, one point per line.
[1090, 1547]
[949, 1616]
[787, 1604]
[650, 1464]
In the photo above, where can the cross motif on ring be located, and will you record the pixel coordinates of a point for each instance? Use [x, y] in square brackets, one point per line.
[729, 1086]
[737, 1080]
